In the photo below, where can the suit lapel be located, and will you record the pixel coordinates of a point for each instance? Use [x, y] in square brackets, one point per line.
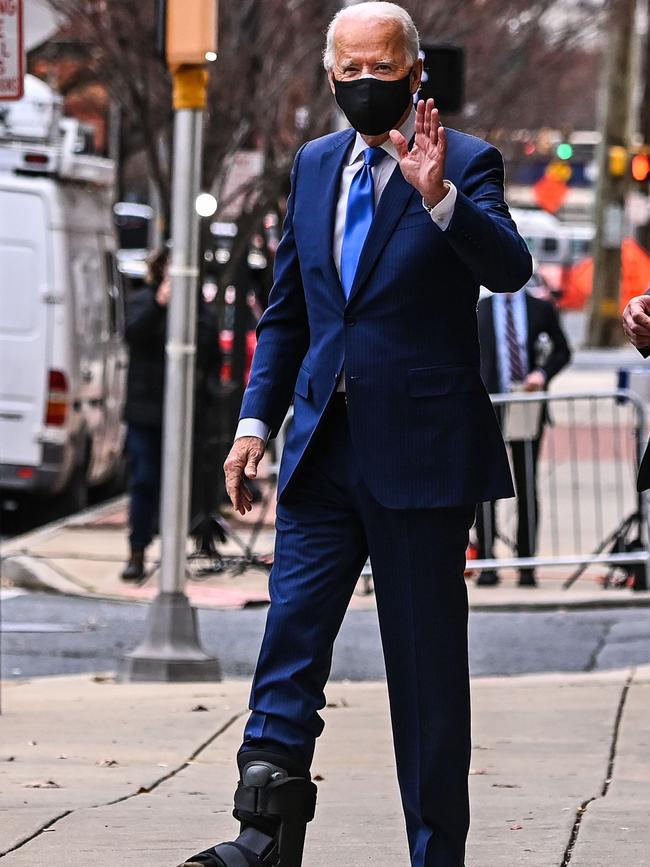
[329, 185]
[391, 206]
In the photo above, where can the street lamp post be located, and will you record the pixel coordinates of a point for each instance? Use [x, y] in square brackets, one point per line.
[170, 650]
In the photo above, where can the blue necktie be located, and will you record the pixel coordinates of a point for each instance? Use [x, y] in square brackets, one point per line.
[358, 217]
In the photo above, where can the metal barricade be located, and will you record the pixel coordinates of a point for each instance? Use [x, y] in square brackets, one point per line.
[574, 458]
[577, 454]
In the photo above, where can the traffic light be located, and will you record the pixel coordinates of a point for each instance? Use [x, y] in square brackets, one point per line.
[618, 161]
[564, 151]
[186, 31]
[641, 167]
[444, 76]
[557, 170]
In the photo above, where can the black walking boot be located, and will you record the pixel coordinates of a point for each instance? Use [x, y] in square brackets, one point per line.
[273, 809]
[134, 569]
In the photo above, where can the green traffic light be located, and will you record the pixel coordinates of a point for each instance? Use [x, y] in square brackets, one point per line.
[564, 151]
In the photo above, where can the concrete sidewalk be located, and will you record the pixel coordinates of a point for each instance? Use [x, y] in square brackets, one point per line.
[84, 555]
[94, 772]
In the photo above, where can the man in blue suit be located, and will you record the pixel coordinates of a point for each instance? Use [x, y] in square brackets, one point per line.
[371, 330]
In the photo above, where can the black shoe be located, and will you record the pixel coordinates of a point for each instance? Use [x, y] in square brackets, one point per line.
[488, 578]
[527, 578]
[134, 569]
[203, 859]
[253, 848]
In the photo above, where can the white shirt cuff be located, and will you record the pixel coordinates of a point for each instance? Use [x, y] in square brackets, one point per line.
[252, 427]
[442, 213]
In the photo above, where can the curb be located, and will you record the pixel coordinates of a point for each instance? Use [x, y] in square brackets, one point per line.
[561, 605]
[35, 574]
[29, 573]
[17, 544]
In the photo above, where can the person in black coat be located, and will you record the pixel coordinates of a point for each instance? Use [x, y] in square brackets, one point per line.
[146, 325]
[523, 347]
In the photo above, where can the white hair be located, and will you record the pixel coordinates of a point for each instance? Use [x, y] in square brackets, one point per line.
[376, 10]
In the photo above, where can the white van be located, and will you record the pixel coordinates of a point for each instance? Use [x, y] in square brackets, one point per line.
[62, 356]
[552, 241]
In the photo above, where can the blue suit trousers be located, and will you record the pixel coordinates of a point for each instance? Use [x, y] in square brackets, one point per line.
[327, 524]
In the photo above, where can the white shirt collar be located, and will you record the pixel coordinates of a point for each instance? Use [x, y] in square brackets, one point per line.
[407, 129]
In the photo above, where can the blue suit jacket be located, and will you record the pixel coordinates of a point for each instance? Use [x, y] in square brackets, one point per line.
[420, 418]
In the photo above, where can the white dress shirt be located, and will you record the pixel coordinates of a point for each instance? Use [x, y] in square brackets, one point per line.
[441, 214]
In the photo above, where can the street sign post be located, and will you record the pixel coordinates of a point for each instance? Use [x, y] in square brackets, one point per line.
[12, 50]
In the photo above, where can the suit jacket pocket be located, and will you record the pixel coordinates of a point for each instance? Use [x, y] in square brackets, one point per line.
[302, 383]
[412, 219]
[443, 380]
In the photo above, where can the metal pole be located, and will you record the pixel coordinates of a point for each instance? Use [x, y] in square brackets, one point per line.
[181, 350]
[171, 650]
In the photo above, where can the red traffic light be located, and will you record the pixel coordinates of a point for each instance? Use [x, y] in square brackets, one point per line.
[641, 167]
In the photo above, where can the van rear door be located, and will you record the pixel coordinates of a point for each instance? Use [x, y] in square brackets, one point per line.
[24, 325]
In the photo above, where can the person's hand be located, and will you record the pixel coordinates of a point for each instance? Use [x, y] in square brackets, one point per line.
[245, 455]
[636, 321]
[163, 293]
[424, 165]
[535, 381]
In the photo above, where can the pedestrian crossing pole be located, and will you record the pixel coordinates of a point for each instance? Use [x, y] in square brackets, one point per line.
[171, 650]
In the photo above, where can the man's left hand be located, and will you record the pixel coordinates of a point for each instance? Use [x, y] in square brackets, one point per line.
[535, 381]
[636, 321]
[424, 165]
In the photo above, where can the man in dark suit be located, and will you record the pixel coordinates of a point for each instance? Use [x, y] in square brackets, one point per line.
[523, 347]
[371, 330]
[636, 325]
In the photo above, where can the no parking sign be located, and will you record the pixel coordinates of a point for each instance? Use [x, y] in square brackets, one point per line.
[12, 53]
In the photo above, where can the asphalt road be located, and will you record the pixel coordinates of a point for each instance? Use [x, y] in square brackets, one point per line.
[45, 635]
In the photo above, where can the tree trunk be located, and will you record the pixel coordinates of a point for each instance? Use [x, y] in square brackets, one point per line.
[604, 324]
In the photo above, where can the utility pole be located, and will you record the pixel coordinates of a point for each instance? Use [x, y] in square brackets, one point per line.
[644, 119]
[604, 324]
[171, 650]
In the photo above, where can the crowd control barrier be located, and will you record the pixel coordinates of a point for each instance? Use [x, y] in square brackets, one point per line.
[584, 509]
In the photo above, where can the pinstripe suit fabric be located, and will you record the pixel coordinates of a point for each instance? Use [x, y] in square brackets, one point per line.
[396, 473]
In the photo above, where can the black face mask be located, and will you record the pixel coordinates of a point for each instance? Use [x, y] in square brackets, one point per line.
[371, 105]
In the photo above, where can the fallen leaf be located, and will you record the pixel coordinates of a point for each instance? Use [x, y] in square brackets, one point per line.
[199, 707]
[505, 786]
[9, 759]
[62, 756]
[42, 784]
[516, 827]
[336, 704]
[478, 772]
[32, 744]
[318, 778]
[103, 678]
[107, 763]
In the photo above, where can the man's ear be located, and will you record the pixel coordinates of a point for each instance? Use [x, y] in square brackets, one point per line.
[416, 75]
[330, 78]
